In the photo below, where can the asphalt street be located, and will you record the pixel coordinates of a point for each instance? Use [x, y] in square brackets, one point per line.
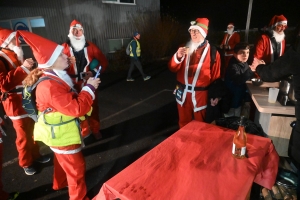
[135, 117]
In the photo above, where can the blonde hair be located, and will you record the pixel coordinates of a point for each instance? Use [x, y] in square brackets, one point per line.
[33, 77]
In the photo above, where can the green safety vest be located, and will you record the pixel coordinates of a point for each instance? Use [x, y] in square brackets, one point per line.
[138, 49]
[57, 129]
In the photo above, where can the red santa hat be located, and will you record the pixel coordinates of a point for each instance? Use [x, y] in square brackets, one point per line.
[200, 24]
[6, 36]
[277, 20]
[75, 24]
[45, 51]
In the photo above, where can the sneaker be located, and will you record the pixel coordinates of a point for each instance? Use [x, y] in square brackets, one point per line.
[130, 79]
[43, 159]
[29, 170]
[147, 78]
[13, 195]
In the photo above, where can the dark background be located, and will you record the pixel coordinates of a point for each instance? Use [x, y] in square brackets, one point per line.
[221, 12]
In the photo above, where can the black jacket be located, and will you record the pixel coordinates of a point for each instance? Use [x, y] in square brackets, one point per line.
[286, 65]
[217, 89]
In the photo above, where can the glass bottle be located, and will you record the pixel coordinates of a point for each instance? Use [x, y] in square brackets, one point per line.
[240, 140]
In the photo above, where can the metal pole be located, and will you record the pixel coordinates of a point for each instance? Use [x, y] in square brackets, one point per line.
[248, 20]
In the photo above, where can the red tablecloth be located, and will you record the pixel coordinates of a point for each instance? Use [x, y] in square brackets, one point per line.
[195, 163]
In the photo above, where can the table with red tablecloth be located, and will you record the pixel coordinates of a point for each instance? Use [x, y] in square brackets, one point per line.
[195, 163]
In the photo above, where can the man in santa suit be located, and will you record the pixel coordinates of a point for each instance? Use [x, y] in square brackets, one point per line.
[231, 38]
[12, 73]
[271, 45]
[85, 52]
[192, 64]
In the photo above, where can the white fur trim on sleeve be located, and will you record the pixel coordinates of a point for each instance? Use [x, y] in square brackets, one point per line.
[176, 60]
[86, 88]
[25, 69]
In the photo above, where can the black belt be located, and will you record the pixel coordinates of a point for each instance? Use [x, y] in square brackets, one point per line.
[195, 88]
[16, 90]
[3, 95]
[75, 76]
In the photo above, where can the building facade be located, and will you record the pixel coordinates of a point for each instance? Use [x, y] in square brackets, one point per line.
[106, 22]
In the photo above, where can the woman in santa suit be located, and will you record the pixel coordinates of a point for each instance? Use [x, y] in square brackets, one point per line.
[60, 106]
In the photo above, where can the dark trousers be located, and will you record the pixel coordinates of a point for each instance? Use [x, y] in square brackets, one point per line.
[137, 63]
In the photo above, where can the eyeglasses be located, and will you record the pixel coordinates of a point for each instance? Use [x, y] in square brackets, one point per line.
[195, 31]
[282, 26]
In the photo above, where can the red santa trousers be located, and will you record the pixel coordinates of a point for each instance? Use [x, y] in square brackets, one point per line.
[27, 148]
[186, 112]
[3, 194]
[69, 170]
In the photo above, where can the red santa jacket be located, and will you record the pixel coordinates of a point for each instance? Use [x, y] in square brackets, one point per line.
[190, 71]
[56, 94]
[10, 80]
[234, 38]
[264, 50]
[90, 52]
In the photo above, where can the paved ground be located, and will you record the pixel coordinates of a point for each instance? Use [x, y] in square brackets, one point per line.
[135, 117]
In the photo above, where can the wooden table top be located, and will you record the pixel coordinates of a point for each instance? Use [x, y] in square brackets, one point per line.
[259, 96]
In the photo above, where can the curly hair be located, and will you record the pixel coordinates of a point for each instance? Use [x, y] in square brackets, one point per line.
[33, 77]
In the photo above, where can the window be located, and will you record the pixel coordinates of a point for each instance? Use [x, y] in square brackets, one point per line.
[33, 24]
[117, 44]
[119, 1]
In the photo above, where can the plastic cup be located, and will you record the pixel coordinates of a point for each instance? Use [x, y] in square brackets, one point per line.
[273, 93]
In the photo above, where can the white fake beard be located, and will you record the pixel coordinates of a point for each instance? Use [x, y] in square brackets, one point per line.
[230, 31]
[19, 52]
[77, 42]
[278, 37]
[194, 46]
[64, 76]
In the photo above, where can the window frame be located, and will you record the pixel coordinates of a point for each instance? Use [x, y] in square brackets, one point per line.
[118, 2]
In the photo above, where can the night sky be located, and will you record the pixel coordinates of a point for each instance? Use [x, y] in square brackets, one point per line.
[221, 12]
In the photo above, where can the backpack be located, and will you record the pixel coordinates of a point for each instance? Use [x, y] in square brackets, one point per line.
[233, 123]
[128, 48]
[28, 98]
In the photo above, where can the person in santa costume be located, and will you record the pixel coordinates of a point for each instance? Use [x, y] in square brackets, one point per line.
[192, 64]
[231, 38]
[271, 45]
[60, 106]
[85, 52]
[13, 70]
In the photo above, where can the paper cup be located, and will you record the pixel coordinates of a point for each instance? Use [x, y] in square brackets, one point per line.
[273, 93]
[187, 50]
